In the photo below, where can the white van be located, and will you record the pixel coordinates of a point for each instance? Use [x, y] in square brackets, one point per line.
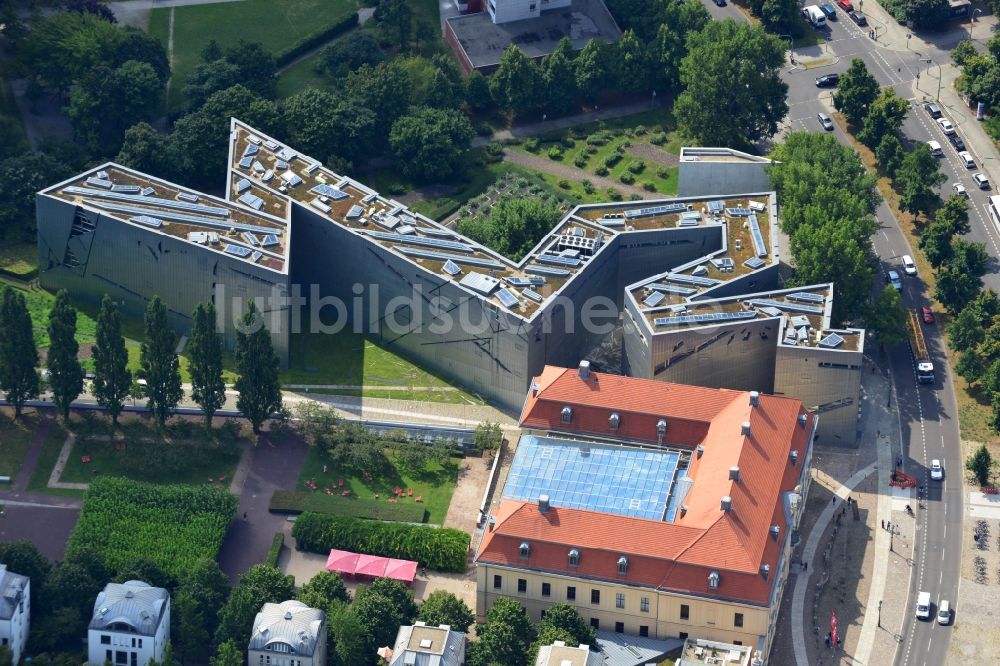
[908, 266]
[814, 15]
[944, 612]
[923, 605]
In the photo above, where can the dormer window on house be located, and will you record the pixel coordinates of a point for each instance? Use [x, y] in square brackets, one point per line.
[713, 580]
[614, 421]
[574, 557]
[661, 430]
[567, 414]
[622, 565]
[524, 550]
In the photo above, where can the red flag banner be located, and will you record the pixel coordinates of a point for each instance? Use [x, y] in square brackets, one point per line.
[834, 636]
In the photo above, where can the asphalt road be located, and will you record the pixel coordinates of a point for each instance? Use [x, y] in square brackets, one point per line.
[927, 413]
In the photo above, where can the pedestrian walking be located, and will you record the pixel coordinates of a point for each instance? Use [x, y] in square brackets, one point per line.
[828, 639]
[849, 500]
[805, 566]
[883, 524]
[833, 500]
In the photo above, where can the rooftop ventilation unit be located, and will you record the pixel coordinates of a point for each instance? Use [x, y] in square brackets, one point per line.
[288, 615]
[726, 504]
[584, 370]
[543, 503]
[745, 429]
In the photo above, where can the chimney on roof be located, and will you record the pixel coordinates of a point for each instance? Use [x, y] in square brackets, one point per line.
[745, 429]
[726, 504]
[794, 455]
[734, 473]
[754, 398]
[584, 370]
[543, 503]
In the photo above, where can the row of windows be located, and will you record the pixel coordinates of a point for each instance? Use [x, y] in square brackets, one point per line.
[266, 661]
[106, 640]
[122, 658]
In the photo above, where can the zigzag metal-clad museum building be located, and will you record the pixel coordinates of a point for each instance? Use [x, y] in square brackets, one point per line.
[688, 288]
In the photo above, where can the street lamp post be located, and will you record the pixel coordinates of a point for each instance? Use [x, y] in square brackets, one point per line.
[930, 61]
[879, 613]
[973, 20]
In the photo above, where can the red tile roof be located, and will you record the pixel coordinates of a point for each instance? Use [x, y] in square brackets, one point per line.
[672, 556]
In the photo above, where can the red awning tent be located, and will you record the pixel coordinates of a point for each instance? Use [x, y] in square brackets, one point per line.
[370, 567]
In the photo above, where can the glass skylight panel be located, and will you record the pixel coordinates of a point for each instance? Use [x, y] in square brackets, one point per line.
[242, 186]
[187, 196]
[690, 279]
[355, 212]
[238, 250]
[405, 230]
[806, 297]
[716, 206]
[151, 201]
[269, 240]
[516, 281]
[431, 231]
[250, 238]
[148, 220]
[368, 198]
[753, 263]
[126, 189]
[186, 219]
[147, 191]
[255, 257]
[672, 289]
[444, 256]
[739, 212]
[420, 240]
[254, 140]
[532, 294]
[651, 211]
[246, 162]
[319, 205]
[482, 284]
[329, 191]
[250, 150]
[506, 297]
[271, 145]
[312, 168]
[281, 165]
[252, 200]
[100, 182]
[611, 222]
[704, 318]
[785, 306]
[654, 299]
[547, 270]
[557, 259]
[831, 341]
[451, 268]
[268, 176]
[758, 237]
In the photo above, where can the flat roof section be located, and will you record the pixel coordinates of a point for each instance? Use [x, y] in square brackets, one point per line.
[484, 42]
[623, 480]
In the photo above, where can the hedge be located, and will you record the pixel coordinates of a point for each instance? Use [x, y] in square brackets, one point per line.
[317, 38]
[175, 526]
[274, 552]
[442, 549]
[284, 501]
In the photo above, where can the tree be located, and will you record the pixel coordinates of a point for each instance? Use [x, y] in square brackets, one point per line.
[257, 67]
[209, 587]
[160, 366]
[969, 257]
[347, 633]
[856, 92]
[205, 363]
[970, 366]
[190, 636]
[106, 101]
[257, 366]
[505, 638]
[350, 52]
[565, 617]
[446, 89]
[980, 464]
[887, 317]
[885, 116]
[146, 570]
[985, 306]
[145, 149]
[732, 93]
[21, 177]
[514, 225]
[487, 436]
[935, 241]
[597, 68]
[633, 60]
[261, 584]
[324, 590]
[209, 78]
[955, 288]
[835, 253]
[965, 331]
[394, 18]
[65, 373]
[927, 13]
[443, 607]
[890, 154]
[560, 78]
[668, 39]
[430, 143]
[917, 177]
[228, 654]
[955, 214]
[112, 379]
[22, 557]
[779, 15]
[70, 586]
[18, 354]
[382, 608]
[962, 51]
[547, 635]
[517, 86]
[380, 89]
[477, 92]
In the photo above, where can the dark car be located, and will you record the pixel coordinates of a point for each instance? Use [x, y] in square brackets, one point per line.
[719, 3]
[956, 141]
[933, 110]
[858, 18]
[828, 81]
[829, 10]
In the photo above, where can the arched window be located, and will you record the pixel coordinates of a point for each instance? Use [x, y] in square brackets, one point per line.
[525, 550]
[713, 580]
[614, 421]
[567, 414]
[622, 565]
[574, 557]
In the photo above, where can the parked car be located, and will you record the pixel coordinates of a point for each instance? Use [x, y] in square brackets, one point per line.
[960, 190]
[858, 18]
[829, 10]
[909, 267]
[827, 81]
[967, 159]
[845, 5]
[946, 125]
[720, 3]
[937, 471]
[944, 612]
[933, 109]
[935, 148]
[981, 180]
[927, 314]
[956, 141]
[825, 121]
[893, 278]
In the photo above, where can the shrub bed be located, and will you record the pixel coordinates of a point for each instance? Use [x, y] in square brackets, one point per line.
[442, 549]
[284, 501]
[274, 552]
[310, 42]
[174, 526]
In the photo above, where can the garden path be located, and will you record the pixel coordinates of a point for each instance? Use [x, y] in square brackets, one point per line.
[560, 170]
[31, 456]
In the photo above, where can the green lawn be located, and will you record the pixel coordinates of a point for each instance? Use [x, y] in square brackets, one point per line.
[39, 303]
[46, 461]
[18, 258]
[434, 485]
[456, 397]
[277, 24]
[187, 455]
[15, 437]
[302, 75]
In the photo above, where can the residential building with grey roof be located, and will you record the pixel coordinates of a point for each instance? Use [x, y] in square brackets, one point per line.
[130, 624]
[423, 645]
[288, 634]
[15, 611]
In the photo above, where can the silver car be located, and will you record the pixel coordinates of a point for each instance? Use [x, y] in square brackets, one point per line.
[825, 121]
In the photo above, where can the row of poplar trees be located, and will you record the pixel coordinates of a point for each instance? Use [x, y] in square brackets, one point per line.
[113, 384]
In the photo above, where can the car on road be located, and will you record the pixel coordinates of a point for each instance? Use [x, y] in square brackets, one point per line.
[923, 605]
[981, 180]
[827, 81]
[933, 110]
[944, 612]
[956, 141]
[719, 3]
[825, 121]
[858, 18]
[892, 277]
[937, 471]
[960, 190]
[935, 148]
[845, 5]
[927, 314]
[909, 267]
[967, 159]
[829, 10]
[946, 125]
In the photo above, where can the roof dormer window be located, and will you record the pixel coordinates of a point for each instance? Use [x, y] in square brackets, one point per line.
[614, 421]
[567, 414]
[622, 565]
[713, 580]
[574, 557]
[525, 550]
